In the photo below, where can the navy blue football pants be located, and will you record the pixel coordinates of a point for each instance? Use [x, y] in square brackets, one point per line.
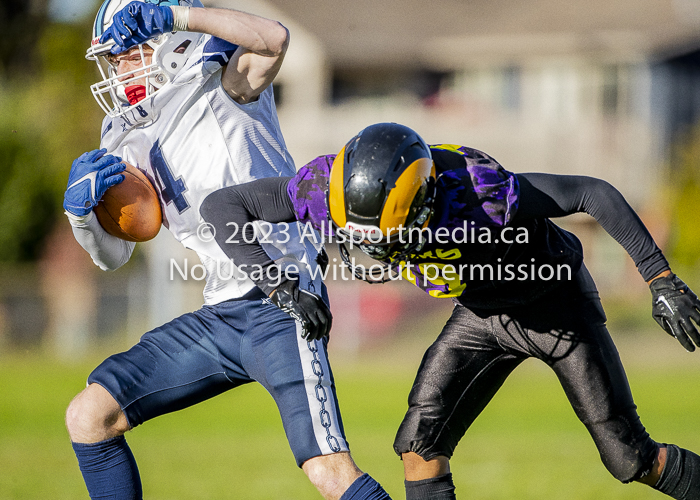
[219, 347]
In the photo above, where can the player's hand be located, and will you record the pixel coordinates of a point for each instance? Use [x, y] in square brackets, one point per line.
[675, 308]
[136, 23]
[305, 307]
[90, 176]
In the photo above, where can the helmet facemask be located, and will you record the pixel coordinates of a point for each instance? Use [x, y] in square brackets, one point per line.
[110, 92]
[407, 243]
[391, 251]
[170, 53]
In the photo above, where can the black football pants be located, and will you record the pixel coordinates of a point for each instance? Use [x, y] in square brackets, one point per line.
[478, 349]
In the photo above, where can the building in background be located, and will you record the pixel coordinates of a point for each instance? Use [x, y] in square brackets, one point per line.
[589, 88]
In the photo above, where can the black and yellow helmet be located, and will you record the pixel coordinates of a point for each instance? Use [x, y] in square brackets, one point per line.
[381, 186]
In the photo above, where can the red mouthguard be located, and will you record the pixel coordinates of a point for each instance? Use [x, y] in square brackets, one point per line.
[135, 93]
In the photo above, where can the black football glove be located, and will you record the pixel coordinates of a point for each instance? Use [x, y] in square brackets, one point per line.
[305, 307]
[674, 306]
[322, 261]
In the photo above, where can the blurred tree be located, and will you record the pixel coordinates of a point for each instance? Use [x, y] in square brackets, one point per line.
[47, 119]
[21, 23]
[685, 183]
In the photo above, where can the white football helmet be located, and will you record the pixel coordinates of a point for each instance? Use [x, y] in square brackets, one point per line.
[170, 52]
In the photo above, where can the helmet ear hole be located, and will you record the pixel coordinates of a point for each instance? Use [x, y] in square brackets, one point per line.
[182, 47]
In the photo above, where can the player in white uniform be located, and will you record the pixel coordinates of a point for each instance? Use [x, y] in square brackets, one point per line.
[188, 96]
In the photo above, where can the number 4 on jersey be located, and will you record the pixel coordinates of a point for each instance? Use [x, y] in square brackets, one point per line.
[171, 189]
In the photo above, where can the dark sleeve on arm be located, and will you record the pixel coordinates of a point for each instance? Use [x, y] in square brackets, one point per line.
[233, 208]
[547, 196]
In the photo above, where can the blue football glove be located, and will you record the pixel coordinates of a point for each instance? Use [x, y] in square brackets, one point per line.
[674, 306]
[136, 23]
[90, 176]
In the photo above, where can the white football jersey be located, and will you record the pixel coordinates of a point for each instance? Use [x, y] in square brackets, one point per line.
[191, 139]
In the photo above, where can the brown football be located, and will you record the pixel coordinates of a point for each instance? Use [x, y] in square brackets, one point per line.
[130, 210]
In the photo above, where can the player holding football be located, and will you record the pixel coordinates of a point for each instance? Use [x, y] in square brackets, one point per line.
[188, 96]
[452, 209]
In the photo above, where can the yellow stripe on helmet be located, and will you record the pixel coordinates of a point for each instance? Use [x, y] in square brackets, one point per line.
[398, 202]
[336, 190]
[448, 147]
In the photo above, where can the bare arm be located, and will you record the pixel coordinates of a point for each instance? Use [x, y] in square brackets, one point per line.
[262, 44]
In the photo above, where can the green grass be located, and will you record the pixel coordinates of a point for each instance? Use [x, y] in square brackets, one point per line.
[528, 444]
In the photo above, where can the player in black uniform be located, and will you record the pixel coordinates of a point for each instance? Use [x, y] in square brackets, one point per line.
[457, 224]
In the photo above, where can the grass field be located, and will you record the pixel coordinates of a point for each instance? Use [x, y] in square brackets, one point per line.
[527, 444]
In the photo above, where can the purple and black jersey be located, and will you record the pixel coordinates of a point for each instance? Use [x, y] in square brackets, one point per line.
[484, 193]
[465, 257]
[490, 242]
[307, 190]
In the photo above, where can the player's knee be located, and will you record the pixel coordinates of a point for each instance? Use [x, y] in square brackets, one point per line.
[332, 474]
[626, 456]
[625, 472]
[94, 416]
